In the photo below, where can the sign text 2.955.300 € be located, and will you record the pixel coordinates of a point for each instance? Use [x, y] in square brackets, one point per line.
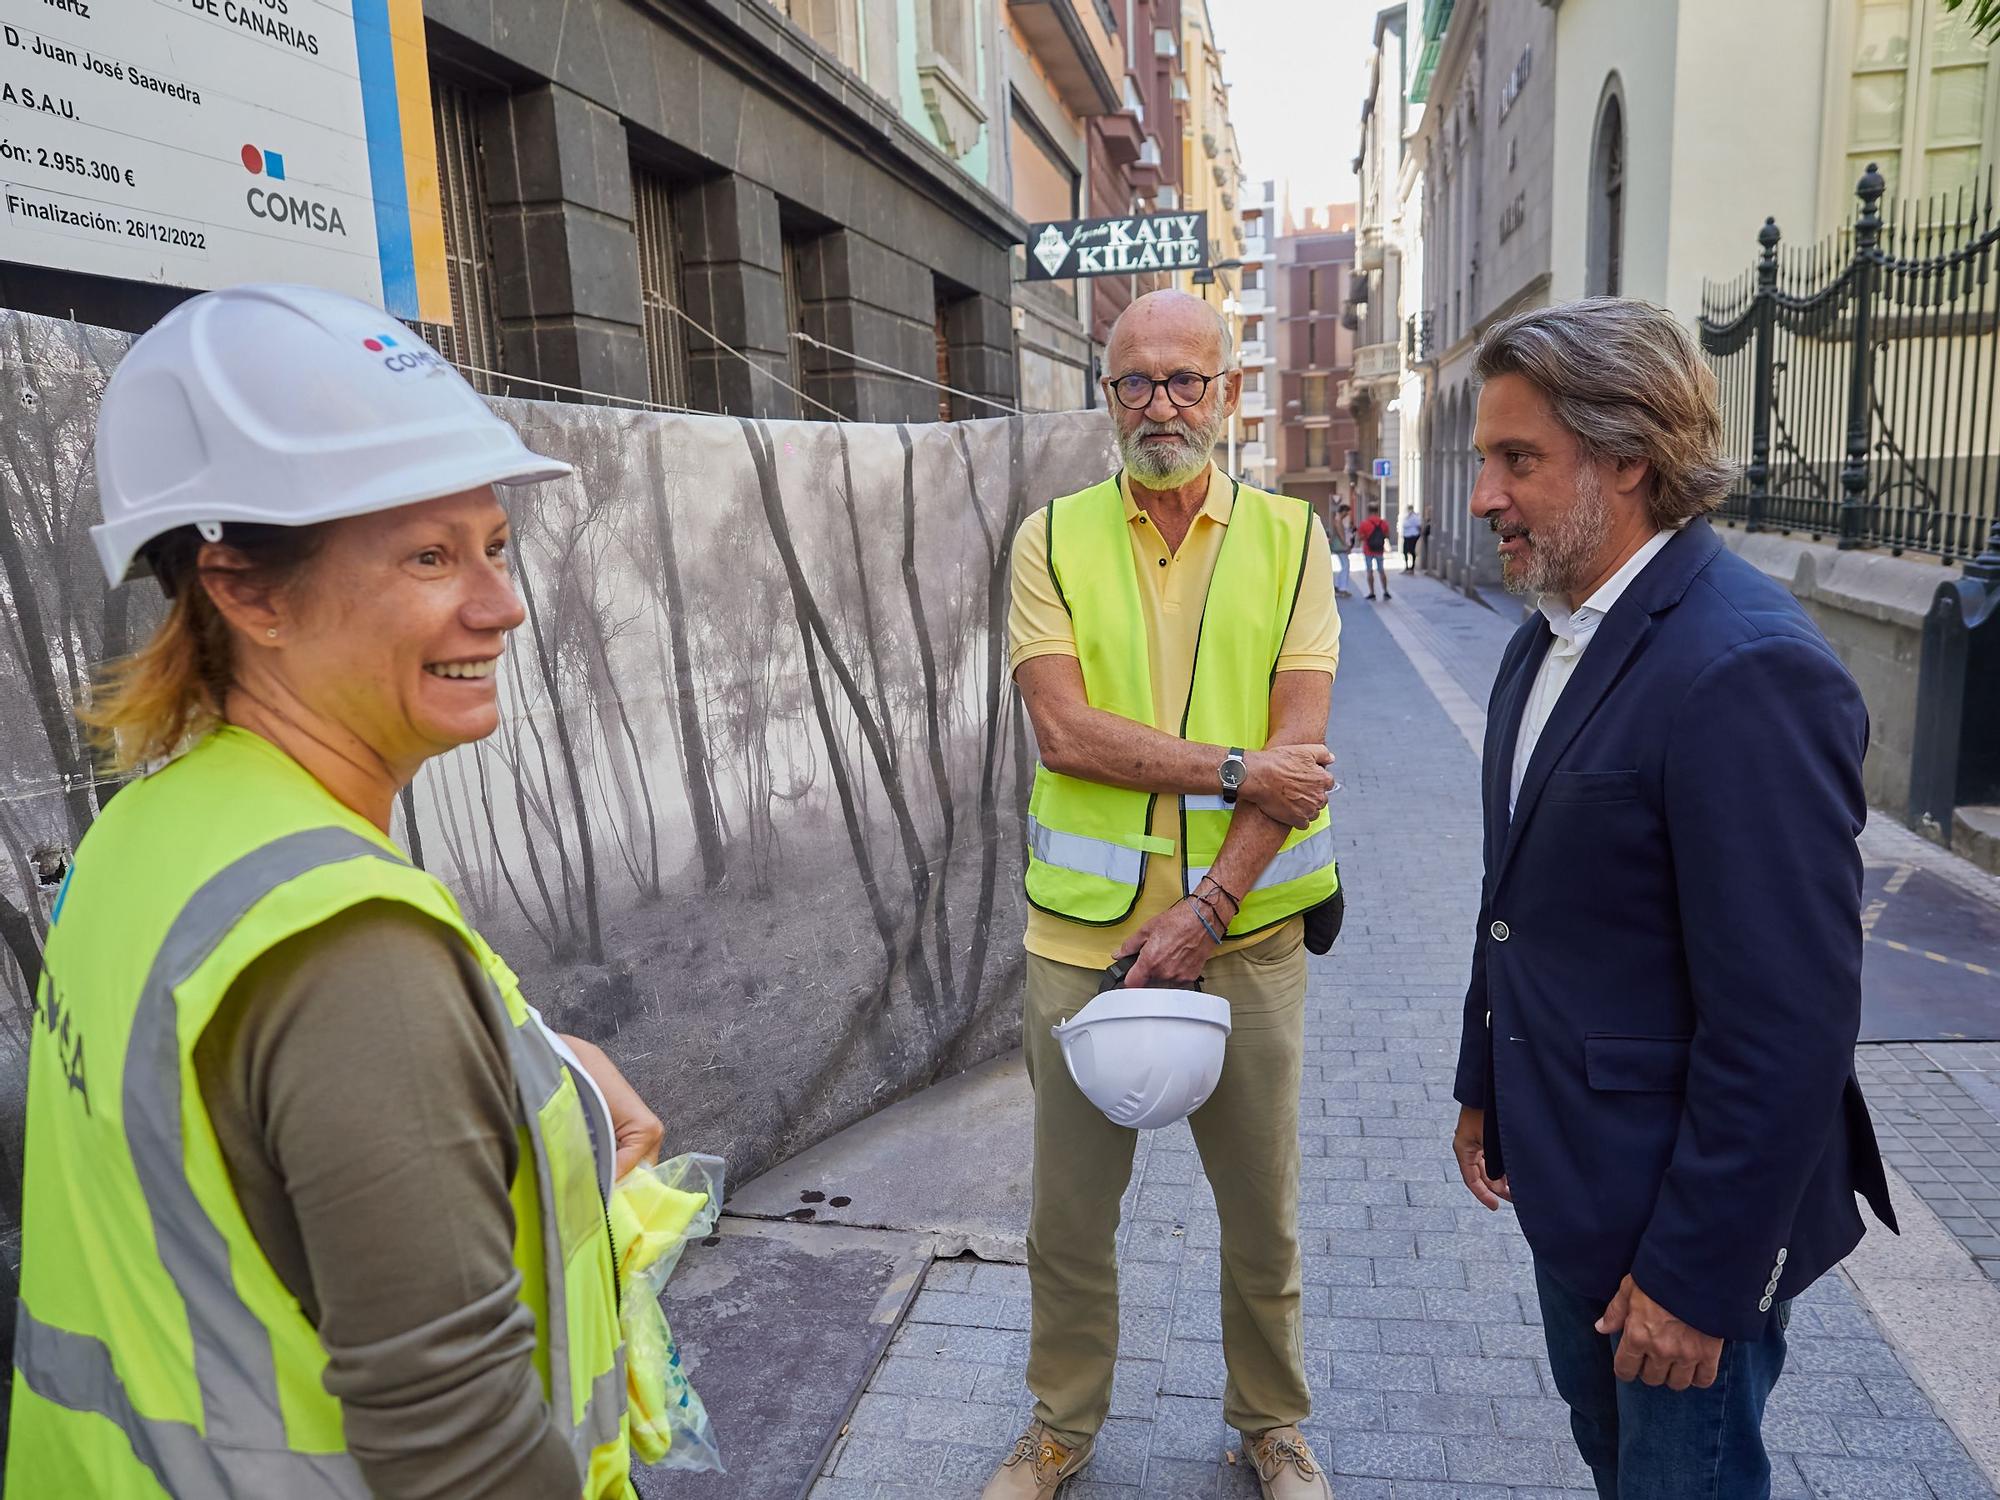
[1117, 247]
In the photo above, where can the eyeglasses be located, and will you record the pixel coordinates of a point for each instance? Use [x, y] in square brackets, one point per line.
[1185, 388]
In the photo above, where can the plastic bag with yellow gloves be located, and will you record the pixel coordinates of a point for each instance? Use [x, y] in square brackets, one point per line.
[655, 1212]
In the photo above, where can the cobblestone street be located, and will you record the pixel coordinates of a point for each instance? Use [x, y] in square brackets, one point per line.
[1421, 1328]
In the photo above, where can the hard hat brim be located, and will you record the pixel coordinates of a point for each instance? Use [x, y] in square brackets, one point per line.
[121, 546]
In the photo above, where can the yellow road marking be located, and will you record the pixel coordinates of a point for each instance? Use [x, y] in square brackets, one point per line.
[1936, 958]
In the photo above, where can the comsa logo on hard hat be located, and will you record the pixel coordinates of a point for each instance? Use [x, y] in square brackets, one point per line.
[284, 206]
[404, 356]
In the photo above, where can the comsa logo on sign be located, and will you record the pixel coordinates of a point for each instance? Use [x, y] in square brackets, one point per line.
[285, 207]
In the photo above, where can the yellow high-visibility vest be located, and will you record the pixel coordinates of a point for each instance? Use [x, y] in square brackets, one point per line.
[157, 1351]
[1088, 843]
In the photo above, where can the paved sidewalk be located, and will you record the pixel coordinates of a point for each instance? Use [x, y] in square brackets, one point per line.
[1421, 1337]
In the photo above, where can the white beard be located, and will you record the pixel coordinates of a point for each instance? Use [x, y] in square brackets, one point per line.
[1159, 466]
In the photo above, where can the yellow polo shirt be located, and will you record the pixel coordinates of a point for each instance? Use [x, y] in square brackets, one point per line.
[1172, 590]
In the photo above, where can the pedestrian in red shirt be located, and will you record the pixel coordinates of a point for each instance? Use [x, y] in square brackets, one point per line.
[1374, 534]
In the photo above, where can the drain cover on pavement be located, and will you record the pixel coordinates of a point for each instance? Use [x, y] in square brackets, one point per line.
[781, 1325]
[1931, 964]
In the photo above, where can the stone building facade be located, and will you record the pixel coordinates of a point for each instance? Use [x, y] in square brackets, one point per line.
[1314, 262]
[653, 202]
[1485, 144]
[1375, 313]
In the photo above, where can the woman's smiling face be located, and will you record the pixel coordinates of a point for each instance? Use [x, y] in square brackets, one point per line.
[397, 627]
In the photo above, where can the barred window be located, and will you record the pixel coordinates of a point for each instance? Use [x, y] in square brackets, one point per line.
[473, 339]
[660, 287]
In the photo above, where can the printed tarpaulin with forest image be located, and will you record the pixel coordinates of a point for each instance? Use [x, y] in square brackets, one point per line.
[753, 818]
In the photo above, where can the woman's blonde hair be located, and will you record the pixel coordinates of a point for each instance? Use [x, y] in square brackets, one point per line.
[146, 706]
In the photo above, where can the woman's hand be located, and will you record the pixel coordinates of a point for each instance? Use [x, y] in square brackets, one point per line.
[637, 1129]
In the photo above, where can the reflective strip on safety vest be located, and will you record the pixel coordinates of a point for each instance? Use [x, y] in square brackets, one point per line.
[609, 1397]
[1211, 802]
[538, 1073]
[1086, 855]
[1307, 857]
[233, 1362]
[75, 1371]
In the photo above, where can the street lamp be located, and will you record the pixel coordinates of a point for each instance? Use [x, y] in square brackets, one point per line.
[1205, 275]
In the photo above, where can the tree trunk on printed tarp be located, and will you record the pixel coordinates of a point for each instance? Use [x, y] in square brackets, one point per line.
[933, 733]
[32, 632]
[586, 856]
[999, 574]
[412, 835]
[17, 930]
[922, 985]
[687, 712]
[868, 635]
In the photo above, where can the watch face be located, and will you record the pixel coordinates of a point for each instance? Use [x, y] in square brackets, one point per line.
[1232, 773]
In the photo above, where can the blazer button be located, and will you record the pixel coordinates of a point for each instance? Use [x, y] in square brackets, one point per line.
[1500, 931]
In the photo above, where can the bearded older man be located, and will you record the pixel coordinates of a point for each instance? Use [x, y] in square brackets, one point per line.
[1657, 1065]
[1174, 637]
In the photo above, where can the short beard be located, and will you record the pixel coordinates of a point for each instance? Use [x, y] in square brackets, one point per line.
[1560, 555]
[1160, 466]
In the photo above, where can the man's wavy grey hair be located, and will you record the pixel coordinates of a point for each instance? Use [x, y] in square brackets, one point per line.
[1627, 381]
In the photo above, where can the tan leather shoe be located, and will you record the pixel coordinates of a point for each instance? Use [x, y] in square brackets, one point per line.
[1285, 1466]
[1036, 1468]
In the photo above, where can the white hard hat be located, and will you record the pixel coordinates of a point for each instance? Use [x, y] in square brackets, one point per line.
[286, 405]
[1146, 1057]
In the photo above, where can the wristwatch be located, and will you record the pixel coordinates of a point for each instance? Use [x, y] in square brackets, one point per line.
[1234, 768]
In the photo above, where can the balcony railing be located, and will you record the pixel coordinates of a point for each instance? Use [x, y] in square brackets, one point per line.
[1256, 352]
[1373, 362]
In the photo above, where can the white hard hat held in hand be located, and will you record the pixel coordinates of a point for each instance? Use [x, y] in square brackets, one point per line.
[283, 406]
[1146, 1057]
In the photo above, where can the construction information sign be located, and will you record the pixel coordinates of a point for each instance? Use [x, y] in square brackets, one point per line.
[1114, 247]
[206, 143]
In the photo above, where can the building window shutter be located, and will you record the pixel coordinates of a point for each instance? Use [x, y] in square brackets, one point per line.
[473, 340]
[661, 290]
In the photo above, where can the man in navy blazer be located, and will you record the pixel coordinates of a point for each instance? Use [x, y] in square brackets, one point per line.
[1657, 1065]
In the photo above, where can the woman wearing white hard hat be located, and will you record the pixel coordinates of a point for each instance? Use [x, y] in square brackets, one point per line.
[313, 1205]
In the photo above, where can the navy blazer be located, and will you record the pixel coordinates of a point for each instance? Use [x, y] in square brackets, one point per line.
[1666, 981]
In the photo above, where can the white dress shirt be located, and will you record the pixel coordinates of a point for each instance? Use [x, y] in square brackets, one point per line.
[1572, 630]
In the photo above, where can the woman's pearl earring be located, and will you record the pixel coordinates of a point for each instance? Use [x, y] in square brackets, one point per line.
[272, 633]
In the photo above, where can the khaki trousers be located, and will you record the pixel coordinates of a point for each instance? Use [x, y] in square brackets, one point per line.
[1248, 1137]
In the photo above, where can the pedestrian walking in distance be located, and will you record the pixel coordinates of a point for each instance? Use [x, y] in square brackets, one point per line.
[1657, 1064]
[1374, 533]
[1413, 531]
[1341, 537]
[1179, 819]
[323, 1215]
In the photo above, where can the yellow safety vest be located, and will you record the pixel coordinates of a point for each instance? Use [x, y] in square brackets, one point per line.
[1088, 843]
[157, 1352]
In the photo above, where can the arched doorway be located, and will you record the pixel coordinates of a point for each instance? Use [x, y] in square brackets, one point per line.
[1606, 268]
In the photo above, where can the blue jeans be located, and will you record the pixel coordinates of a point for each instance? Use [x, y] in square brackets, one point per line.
[1646, 1442]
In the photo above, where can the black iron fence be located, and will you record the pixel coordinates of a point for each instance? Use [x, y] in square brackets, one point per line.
[1858, 377]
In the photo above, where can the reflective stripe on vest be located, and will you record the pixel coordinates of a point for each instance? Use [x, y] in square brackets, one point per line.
[1088, 856]
[1307, 857]
[1087, 842]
